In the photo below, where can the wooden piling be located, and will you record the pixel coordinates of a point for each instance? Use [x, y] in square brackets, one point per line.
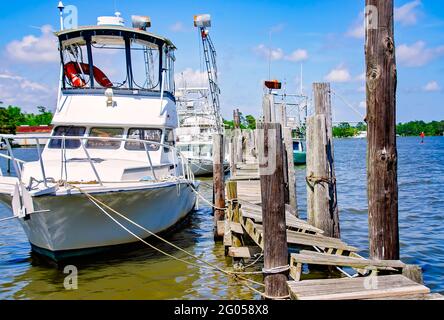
[236, 119]
[218, 184]
[322, 205]
[382, 158]
[268, 108]
[239, 145]
[291, 173]
[233, 168]
[273, 210]
[233, 217]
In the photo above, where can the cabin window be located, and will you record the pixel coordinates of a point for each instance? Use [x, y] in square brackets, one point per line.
[153, 135]
[69, 131]
[295, 145]
[105, 133]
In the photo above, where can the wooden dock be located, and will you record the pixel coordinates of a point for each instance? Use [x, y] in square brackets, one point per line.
[261, 213]
[373, 279]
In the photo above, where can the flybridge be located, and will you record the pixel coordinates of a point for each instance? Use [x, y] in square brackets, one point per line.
[112, 56]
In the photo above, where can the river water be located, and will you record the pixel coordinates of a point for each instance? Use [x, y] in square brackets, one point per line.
[140, 273]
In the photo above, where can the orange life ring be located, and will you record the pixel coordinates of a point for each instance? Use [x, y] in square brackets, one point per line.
[72, 72]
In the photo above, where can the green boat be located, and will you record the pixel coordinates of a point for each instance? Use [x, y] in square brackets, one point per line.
[299, 153]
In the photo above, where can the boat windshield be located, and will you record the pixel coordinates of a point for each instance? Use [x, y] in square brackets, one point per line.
[118, 61]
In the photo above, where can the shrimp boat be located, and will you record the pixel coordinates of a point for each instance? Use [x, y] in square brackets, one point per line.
[113, 140]
[196, 128]
[199, 109]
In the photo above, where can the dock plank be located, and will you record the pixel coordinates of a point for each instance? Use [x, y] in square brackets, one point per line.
[316, 258]
[391, 286]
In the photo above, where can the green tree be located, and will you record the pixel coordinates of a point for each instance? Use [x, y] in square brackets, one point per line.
[12, 117]
[251, 122]
[344, 130]
[361, 126]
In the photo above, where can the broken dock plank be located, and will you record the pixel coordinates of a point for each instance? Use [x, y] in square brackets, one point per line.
[243, 252]
[316, 258]
[254, 212]
[390, 287]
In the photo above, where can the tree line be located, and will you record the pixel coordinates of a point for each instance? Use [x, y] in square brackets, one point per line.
[412, 128]
[11, 117]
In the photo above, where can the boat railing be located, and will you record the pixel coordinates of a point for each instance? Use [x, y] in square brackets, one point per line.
[18, 163]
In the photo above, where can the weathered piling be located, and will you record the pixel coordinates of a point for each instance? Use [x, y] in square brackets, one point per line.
[236, 119]
[291, 173]
[268, 108]
[218, 184]
[232, 148]
[322, 205]
[271, 169]
[231, 237]
[381, 118]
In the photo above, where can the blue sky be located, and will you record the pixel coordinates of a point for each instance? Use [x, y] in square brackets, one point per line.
[324, 36]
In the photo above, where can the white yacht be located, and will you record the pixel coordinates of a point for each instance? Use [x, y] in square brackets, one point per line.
[113, 139]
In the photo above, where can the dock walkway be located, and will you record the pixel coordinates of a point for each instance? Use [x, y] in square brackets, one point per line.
[395, 279]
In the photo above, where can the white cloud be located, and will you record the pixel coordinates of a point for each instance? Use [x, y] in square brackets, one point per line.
[339, 74]
[32, 49]
[432, 86]
[357, 31]
[265, 52]
[24, 83]
[191, 78]
[22, 92]
[417, 54]
[277, 54]
[297, 55]
[277, 28]
[178, 27]
[407, 14]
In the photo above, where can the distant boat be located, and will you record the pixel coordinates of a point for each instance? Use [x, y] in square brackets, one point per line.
[299, 153]
[361, 135]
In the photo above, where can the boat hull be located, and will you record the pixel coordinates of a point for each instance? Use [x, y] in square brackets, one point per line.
[299, 157]
[202, 168]
[74, 226]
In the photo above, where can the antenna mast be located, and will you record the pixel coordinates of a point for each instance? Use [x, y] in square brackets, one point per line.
[61, 7]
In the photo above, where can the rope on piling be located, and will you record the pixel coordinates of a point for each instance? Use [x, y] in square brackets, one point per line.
[312, 180]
